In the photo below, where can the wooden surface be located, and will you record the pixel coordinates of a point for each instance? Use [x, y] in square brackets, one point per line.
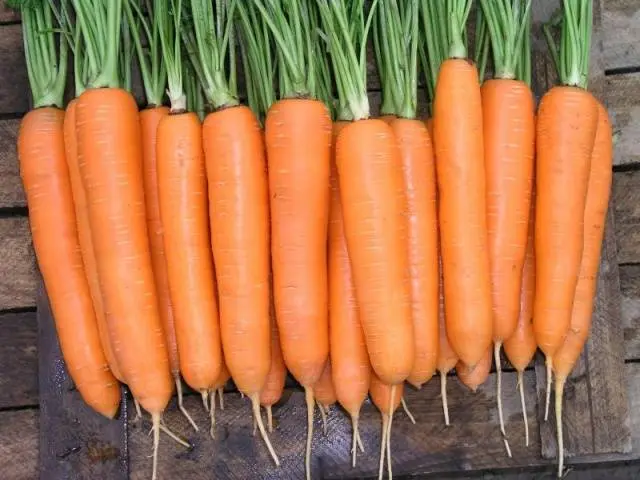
[417, 449]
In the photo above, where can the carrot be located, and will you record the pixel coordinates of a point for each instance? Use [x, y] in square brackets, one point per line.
[373, 202]
[460, 170]
[299, 127]
[521, 346]
[84, 235]
[110, 158]
[509, 132]
[387, 399]
[218, 386]
[272, 390]
[46, 180]
[351, 368]
[474, 377]
[447, 358]
[399, 67]
[566, 126]
[574, 137]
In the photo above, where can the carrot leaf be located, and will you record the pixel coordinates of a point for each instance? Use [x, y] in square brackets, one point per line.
[169, 17]
[257, 58]
[346, 31]
[506, 20]
[212, 27]
[433, 49]
[482, 44]
[523, 65]
[396, 45]
[152, 68]
[46, 50]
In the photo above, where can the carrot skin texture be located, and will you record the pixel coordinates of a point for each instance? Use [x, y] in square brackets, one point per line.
[374, 206]
[84, 235]
[45, 177]
[566, 128]
[239, 219]
[509, 134]
[381, 394]
[182, 185]
[298, 140]
[475, 377]
[597, 203]
[521, 346]
[149, 121]
[447, 358]
[462, 209]
[350, 364]
[323, 390]
[418, 168]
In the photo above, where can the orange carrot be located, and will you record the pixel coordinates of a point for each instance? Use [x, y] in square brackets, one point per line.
[272, 389]
[595, 215]
[84, 235]
[350, 360]
[474, 377]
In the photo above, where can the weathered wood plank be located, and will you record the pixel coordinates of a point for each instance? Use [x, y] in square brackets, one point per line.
[630, 305]
[19, 444]
[75, 441]
[14, 85]
[472, 442]
[8, 15]
[11, 191]
[19, 360]
[626, 195]
[18, 277]
[621, 23]
[622, 96]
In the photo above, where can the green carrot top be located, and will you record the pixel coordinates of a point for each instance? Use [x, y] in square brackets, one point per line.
[571, 58]
[346, 29]
[46, 52]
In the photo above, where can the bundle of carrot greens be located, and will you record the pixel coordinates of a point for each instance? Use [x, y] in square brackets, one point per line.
[201, 239]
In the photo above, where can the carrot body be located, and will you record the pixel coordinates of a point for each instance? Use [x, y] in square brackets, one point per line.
[239, 218]
[323, 390]
[595, 216]
[509, 133]
[381, 394]
[45, 177]
[182, 185]
[149, 121]
[462, 209]
[566, 128]
[84, 235]
[475, 377]
[521, 345]
[373, 205]
[350, 364]
[447, 358]
[110, 159]
[418, 168]
[298, 140]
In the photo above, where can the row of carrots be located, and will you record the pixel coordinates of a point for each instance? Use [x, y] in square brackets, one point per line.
[298, 233]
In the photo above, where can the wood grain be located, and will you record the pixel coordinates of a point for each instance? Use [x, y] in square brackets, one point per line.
[621, 23]
[14, 84]
[18, 280]
[75, 441]
[11, 191]
[626, 195]
[19, 360]
[630, 306]
[622, 95]
[8, 15]
[19, 444]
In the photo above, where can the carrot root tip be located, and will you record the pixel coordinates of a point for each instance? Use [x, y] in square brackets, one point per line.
[308, 393]
[221, 396]
[269, 419]
[524, 408]
[549, 363]
[391, 404]
[205, 399]
[558, 404]
[383, 444]
[407, 411]
[173, 436]
[443, 394]
[257, 418]
[138, 410]
[212, 413]
[496, 356]
[181, 405]
[155, 418]
[323, 414]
